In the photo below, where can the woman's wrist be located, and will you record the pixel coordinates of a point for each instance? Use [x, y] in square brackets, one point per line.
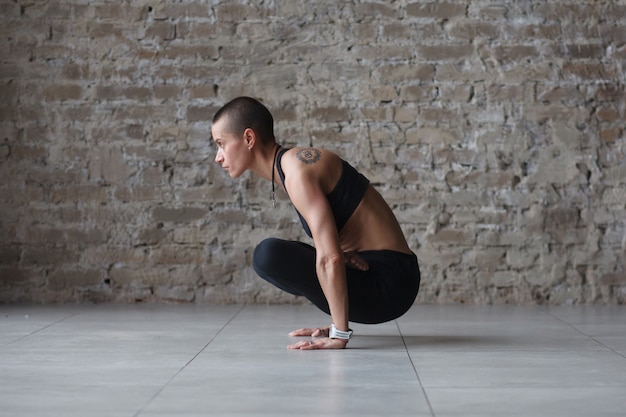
[335, 333]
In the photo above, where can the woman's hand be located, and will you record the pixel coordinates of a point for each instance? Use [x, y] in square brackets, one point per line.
[313, 332]
[322, 343]
[355, 261]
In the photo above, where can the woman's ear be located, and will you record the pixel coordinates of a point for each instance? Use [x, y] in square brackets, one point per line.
[250, 138]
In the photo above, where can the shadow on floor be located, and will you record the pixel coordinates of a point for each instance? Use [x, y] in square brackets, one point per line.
[443, 341]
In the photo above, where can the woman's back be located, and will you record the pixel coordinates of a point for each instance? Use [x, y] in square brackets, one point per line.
[372, 225]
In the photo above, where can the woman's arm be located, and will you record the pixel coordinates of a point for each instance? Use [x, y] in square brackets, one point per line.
[305, 191]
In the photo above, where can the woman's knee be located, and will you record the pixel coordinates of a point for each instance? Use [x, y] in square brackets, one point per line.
[266, 255]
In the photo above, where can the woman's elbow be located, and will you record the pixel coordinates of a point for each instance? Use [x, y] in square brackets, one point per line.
[327, 264]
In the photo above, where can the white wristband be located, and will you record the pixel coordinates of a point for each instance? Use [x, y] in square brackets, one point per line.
[339, 334]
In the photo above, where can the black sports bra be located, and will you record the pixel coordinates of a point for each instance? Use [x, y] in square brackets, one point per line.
[343, 199]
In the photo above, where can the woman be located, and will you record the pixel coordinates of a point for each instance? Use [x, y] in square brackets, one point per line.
[361, 268]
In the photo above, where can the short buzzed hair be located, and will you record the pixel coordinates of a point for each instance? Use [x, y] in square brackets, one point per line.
[242, 113]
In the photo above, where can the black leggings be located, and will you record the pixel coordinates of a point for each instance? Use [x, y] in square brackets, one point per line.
[383, 293]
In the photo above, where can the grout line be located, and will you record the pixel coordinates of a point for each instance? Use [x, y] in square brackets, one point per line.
[38, 330]
[406, 348]
[188, 363]
[589, 336]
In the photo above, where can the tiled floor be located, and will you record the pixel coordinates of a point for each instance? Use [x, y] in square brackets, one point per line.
[164, 360]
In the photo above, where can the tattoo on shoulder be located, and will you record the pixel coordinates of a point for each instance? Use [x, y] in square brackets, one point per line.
[308, 155]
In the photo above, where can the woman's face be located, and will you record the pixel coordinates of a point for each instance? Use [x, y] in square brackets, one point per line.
[232, 151]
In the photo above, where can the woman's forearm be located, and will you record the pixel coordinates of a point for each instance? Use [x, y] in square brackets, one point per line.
[331, 272]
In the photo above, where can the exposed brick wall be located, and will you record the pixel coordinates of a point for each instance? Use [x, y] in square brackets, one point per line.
[496, 130]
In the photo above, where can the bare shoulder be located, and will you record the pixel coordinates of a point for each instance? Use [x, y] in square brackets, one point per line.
[315, 164]
[299, 158]
[308, 156]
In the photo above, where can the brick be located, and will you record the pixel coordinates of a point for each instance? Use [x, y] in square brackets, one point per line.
[331, 114]
[398, 73]
[405, 115]
[48, 256]
[547, 30]
[564, 11]
[13, 277]
[379, 54]
[604, 114]
[165, 92]
[504, 92]
[56, 235]
[116, 93]
[432, 114]
[151, 237]
[75, 194]
[161, 29]
[514, 53]
[383, 94]
[584, 51]
[29, 154]
[65, 214]
[178, 215]
[435, 136]
[136, 93]
[487, 258]
[473, 29]
[7, 113]
[200, 113]
[613, 34]
[232, 216]
[417, 93]
[443, 52]
[10, 10]
[108, 165]
[610, 92]
[456, 92]
[63, 92]
[174, 255]
[560, 95]
[8, 93]
[151, 277]
[179, 294]
[115, 11]
[437, 10]
[75, 72]
[376, 113]
[450, 236]
[113, 255]
[563, 217]
[69, 279]
[521, 258]
[610, 134]
[492, 11]
[588, 71]
[138, 194]
[370, 10]
[613, 279]
[203, 91]
[67, 11]
[22, 195]
[9, 256]
[178, 11]
[228, 12]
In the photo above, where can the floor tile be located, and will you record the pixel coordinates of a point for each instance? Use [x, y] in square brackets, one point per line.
[520, 369]
[528, 401]
[490, 328]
